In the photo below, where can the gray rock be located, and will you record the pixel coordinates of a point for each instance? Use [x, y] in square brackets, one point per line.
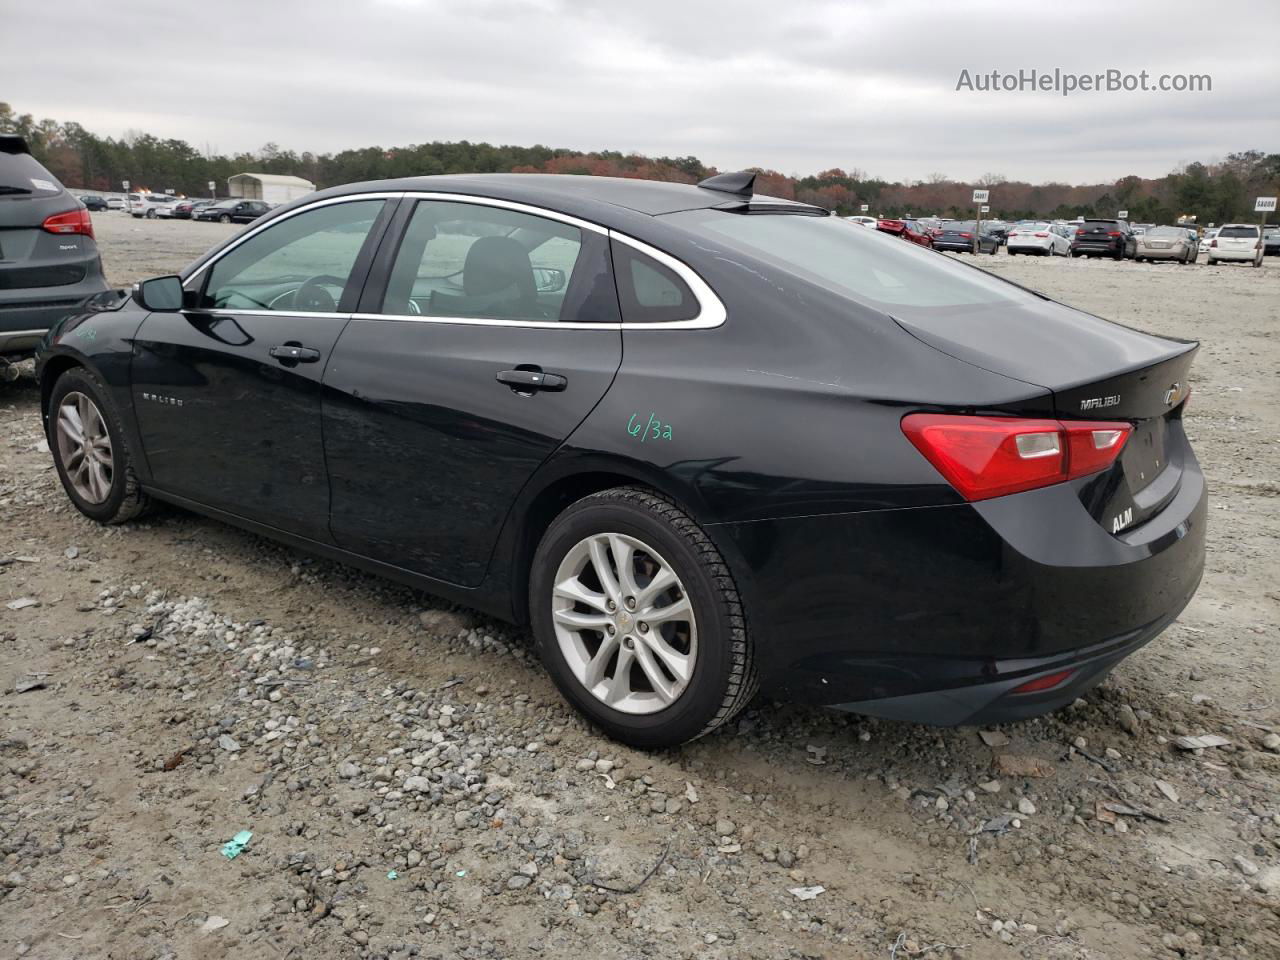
[228, 743]
[725, 828]
[1245, 865]
[519, 882]
[1128, 720]
[348, 770]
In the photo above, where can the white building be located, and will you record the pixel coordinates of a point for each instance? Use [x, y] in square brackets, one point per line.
[271, 187]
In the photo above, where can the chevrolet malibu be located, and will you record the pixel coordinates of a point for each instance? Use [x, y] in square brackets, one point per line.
[701, 441]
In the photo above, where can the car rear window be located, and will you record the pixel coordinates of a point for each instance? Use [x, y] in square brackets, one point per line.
[21, 175]
[853, 263]
[1166, 232]
[1238, 232]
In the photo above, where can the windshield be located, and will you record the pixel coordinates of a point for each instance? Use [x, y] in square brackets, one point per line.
[223, 204]
[855, 264]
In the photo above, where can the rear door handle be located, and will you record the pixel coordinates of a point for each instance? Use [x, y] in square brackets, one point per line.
[527, 381]
[294, 353]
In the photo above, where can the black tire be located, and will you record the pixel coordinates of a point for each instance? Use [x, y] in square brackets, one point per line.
[724, 676]
[224, 219]
[126, 500]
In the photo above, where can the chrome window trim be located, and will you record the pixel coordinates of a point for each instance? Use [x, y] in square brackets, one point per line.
[711, 309]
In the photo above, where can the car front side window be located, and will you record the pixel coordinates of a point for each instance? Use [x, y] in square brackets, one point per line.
[300, 263]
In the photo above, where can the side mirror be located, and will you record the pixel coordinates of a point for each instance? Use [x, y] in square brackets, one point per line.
[548, 279]
[161, 293]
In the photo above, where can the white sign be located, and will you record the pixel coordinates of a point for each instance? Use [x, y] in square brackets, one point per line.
[981, 196]
[169, 191]
[126, 184]
[1264, 205]
[1123, 214]
[985, 209]
[212, 185]
[866, 207]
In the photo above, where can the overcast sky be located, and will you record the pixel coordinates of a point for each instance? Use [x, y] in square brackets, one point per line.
[795, 85]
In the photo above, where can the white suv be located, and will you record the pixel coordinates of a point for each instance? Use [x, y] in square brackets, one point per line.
[148, 205]
[1237, 241]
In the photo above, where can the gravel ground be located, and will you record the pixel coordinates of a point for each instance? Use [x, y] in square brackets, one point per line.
[415, 787]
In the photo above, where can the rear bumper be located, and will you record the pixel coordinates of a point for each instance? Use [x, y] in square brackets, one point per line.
[1025, 247]
[1244, 255]
[25, 315]
[1166, 254]
[957, 247]
[1103, 249]
[935, 614]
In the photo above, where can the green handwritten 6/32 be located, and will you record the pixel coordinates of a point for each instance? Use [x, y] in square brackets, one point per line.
[655, 429]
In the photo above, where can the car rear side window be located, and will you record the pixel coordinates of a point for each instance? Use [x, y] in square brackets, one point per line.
[857, 264]
[469, 260]
[301, 263]
[648, 291]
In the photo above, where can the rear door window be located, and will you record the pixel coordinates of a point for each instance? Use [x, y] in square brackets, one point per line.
[469, 260]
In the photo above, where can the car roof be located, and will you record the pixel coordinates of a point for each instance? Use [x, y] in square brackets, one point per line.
[569, 193]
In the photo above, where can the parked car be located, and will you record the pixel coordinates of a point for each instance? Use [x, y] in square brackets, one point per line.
[1237, 242]
[49, 263]
[961, 236]
[863, 221]
[610, 488]
[186, 209]
[908, 230]
[1096, 238]
[132, 201]
[115, 203]
[1166, 243]
[998, 228]
[149, 205]
[233, 211]
[1039, 237]
[1271, 241]
[93, 202]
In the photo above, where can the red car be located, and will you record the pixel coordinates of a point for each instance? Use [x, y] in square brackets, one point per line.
[907, 230]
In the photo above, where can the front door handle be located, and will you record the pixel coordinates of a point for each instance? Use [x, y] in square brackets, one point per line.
[293, 353]
[527, 381]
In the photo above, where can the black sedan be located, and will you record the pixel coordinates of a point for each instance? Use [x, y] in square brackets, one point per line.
[701, 441]
[964, 236]
[94, 202]
[232, 211]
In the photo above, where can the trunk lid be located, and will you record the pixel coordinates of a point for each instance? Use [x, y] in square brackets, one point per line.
[1096, 370]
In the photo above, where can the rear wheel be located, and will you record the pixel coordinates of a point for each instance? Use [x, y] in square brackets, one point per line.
[90, 452]
[638, 620]
[224, 219]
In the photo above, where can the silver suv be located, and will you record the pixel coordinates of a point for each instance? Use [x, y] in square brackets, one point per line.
[49, 263]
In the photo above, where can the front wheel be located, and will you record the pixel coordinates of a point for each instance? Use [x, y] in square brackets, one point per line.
[224, 219]
[90, 452]
[638, 620]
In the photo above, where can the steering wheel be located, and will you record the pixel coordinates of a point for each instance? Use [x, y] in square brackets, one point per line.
[314, 298]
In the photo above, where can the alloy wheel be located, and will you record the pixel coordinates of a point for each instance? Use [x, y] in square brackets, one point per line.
[624, 623]
[84, 447]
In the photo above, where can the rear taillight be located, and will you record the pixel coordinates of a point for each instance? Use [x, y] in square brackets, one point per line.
[1079, 232]
[1213, 243]
[1114, 233]
[967, 236]
[73, 221]
[1041, 234]
[985, 457]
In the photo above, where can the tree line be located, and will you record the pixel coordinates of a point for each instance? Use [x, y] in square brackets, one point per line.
[1210, 192]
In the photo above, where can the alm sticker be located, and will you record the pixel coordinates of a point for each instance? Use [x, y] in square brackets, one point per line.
[655, 429]
[40, 184]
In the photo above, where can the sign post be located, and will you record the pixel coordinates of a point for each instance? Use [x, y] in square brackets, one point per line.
[213, 187]
[866, 207]
[1263, 206]
[1123, 214]
[979, 197]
